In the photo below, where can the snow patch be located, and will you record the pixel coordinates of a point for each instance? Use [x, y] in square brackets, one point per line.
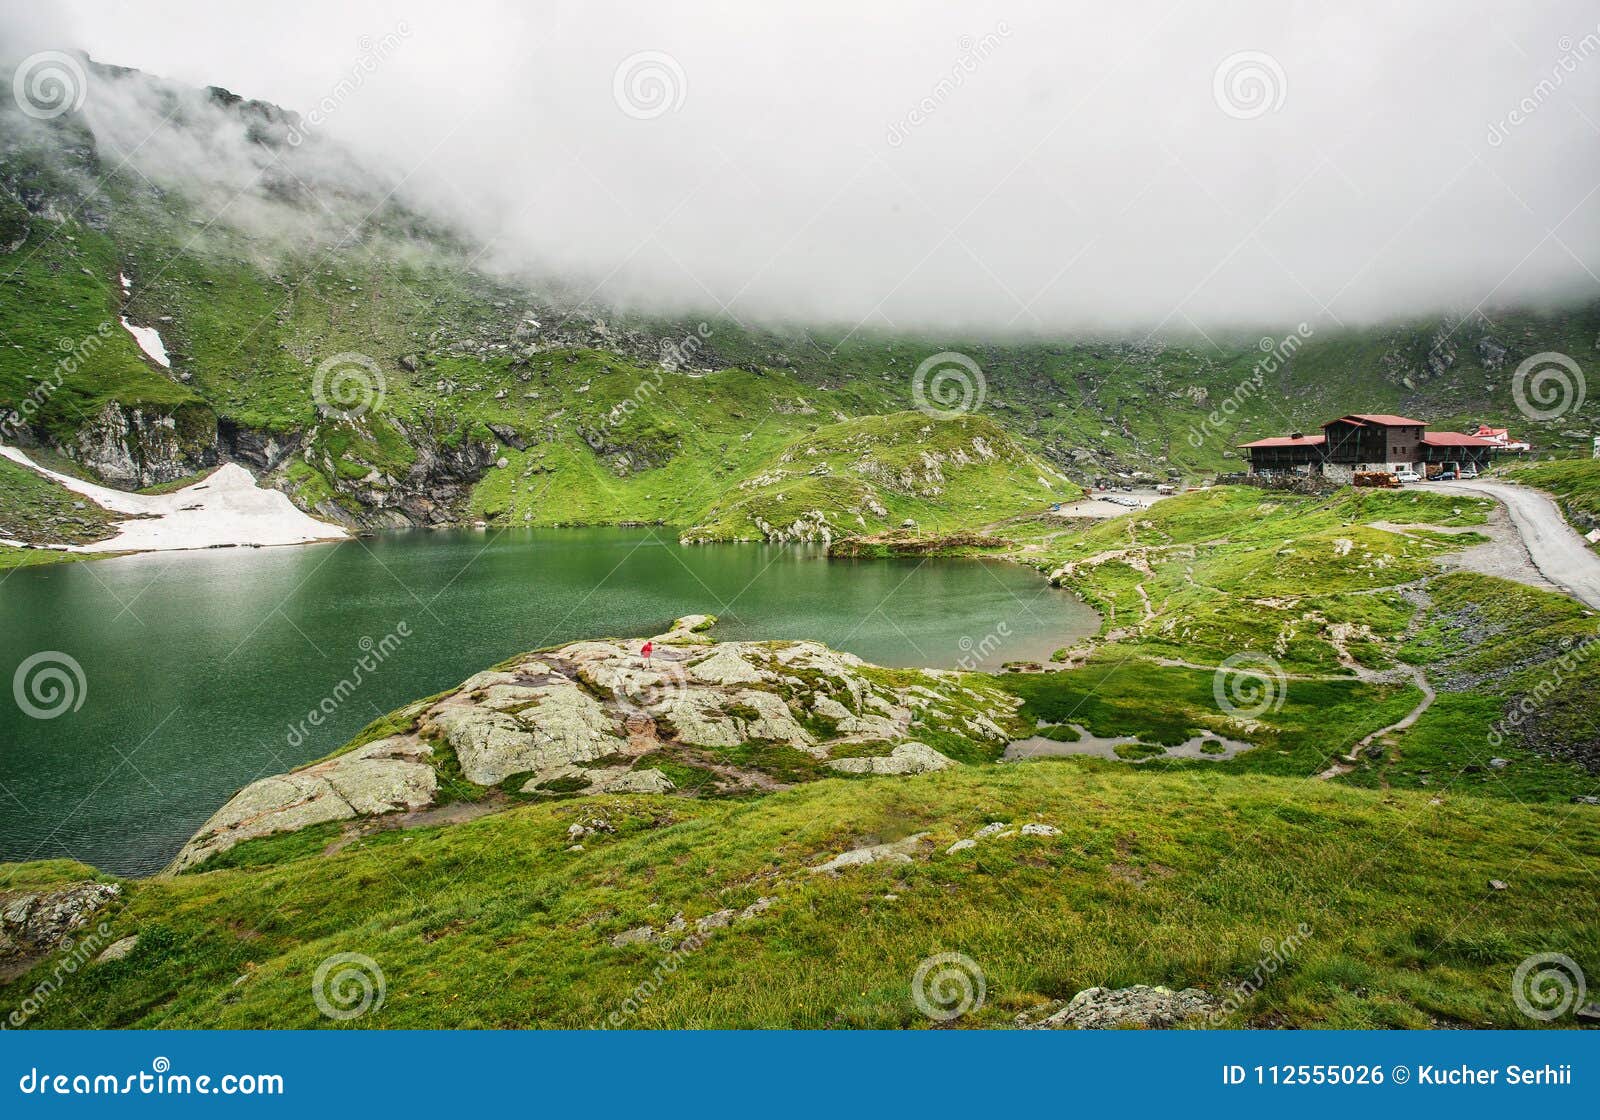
[227, 507]
[149, 340]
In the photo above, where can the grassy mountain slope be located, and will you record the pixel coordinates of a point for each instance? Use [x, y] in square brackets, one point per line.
[1165, 879]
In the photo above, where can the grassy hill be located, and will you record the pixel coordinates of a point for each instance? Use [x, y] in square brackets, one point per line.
[1173, 879]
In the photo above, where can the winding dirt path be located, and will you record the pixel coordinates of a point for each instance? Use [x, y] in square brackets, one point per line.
[1348, 762]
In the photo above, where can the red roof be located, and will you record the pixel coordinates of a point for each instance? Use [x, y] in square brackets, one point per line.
[1383, 419]
[1489, 433]
[1454, 439]
[1287, 441]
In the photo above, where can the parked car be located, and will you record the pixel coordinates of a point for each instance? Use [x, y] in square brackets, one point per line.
[1407, 476]
[1445, 476]
[1469, 472]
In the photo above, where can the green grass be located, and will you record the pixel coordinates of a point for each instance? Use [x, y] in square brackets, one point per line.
[1156, 878]
[38, 510]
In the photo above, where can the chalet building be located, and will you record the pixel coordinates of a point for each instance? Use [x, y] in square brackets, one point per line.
[1369, 442]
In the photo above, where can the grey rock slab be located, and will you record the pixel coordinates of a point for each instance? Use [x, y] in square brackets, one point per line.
[907, 758]
[900, 851]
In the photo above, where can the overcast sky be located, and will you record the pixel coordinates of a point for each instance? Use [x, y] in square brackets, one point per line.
[1051, 166]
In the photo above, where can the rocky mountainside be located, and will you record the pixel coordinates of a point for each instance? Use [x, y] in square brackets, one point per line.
[187, 278]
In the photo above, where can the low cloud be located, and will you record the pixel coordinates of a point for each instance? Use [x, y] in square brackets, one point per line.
[1022, 167]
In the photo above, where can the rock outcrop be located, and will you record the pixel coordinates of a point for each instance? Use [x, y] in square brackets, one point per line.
[599, 717]
[34, 923]
[907, 758]
[387, 776]
[1138, 1006]
[133, 447]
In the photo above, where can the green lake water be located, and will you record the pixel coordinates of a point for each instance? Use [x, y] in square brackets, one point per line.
[199, 668]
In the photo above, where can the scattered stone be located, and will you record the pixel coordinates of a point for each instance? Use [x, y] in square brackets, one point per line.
[1499, 763]
[1586, 799]
[575, 848]
[1040, 830]
[576, 830]
[636, 936]
[1497, 884]
[960, 846]
[900, 851]
[718, 920]
[989, 830]
[118, 949]
[759, 906]
[1153, 1008]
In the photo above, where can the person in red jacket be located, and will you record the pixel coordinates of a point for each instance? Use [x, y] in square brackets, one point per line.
[647, 649]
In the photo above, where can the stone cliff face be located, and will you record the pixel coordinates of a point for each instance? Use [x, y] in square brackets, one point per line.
[134, 448]
[432, 490]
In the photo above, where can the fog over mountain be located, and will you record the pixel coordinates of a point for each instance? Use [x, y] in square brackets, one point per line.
[1024, 166]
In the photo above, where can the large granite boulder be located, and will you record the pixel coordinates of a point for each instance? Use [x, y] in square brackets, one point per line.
[390, 775]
